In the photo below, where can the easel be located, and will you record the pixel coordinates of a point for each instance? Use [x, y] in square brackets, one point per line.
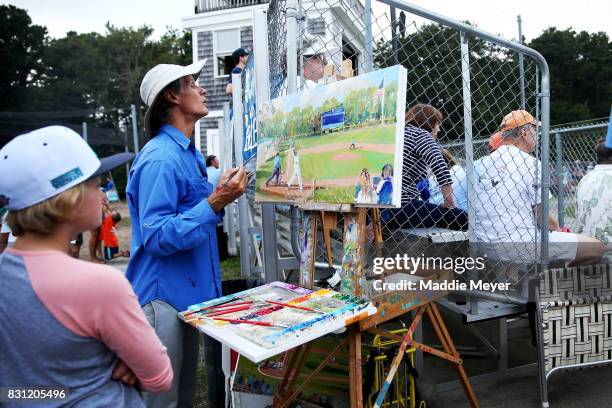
[352, 282]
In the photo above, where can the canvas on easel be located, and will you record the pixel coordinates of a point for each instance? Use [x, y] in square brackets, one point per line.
[340, 143]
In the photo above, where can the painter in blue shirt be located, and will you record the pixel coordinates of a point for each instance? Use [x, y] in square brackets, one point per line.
[174, 255]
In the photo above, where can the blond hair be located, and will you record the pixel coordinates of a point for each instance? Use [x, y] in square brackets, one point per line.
[44, 217]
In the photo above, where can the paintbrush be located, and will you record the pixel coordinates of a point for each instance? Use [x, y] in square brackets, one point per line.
[236, 172]
[253, 322]
[308, 309]
[219, 306]
[214, 312]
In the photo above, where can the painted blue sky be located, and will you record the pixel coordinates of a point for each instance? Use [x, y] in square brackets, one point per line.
[316, 97]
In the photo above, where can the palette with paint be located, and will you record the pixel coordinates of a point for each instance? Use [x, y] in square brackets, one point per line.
[267, 320]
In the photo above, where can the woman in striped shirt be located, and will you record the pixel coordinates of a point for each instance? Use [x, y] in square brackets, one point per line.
[422, 153]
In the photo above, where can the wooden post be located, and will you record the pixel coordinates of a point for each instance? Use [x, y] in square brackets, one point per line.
[355, 380]
[329, 221]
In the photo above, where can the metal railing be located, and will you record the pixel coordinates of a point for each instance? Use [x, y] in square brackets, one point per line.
[473, 77]
[204, 6]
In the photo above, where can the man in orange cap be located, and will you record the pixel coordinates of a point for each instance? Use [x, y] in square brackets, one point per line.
[507, 200]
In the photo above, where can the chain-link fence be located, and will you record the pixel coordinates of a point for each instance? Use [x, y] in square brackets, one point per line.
[277, 46]
[474, 83]
[573, 155]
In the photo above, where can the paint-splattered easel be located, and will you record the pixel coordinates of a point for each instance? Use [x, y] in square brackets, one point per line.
[352, 280]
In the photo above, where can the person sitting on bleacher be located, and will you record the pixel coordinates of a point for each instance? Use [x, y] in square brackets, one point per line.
[423, 153]
[459, 180]
[507, 202]
[593, 198]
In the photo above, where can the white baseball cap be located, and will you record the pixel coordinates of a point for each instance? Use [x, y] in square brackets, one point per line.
[158, 78]
[46, 162]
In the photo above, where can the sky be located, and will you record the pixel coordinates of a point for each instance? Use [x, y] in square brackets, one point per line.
[498, 17]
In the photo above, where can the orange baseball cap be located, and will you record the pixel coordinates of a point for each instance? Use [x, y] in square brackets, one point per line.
[517, 118]
[496, 141]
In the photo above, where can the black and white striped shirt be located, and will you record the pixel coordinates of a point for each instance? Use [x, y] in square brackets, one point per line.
[421, 153]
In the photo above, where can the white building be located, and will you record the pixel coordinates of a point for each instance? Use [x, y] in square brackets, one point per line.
[335, 31]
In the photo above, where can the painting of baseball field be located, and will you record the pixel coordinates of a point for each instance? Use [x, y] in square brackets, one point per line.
[339, 143]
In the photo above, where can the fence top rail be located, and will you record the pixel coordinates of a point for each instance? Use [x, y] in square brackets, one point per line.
[579, 129]
[419, 11]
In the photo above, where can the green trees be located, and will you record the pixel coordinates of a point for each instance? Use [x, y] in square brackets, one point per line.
[432, 56]
[21, 48]
[580, 67]
[580, 71]
[79, 71]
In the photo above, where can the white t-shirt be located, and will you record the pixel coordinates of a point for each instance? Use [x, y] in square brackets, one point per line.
[5, 229]
[506, 188]
[459, 188]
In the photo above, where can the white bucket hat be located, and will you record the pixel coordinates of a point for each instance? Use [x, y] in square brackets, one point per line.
[46, 162]
[158, 78]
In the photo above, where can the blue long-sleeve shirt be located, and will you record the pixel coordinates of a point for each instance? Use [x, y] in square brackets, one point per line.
[174, 255]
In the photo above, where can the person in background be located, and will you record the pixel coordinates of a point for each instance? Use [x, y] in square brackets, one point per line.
[240, 57]
[84, 328]
[507, 204]
[75, 245]
[7, 238]
[109, 237]
[174, 259]
[95, 241]
[423, 154]
[594, 200]
[109, 185]
[459, 180]
[212, 168]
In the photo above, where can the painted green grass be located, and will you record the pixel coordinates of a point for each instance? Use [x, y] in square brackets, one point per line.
[373, 134]
[324, 166]
[335, 194]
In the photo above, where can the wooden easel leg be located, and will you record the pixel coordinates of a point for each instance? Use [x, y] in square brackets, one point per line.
[355, 382]
[329, 220]
[398, 358]
[323, 364]
[305, 350]
[449, 347]
[280, 390]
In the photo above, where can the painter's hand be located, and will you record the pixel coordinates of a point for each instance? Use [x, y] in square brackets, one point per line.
[123, 373]
[226, 193]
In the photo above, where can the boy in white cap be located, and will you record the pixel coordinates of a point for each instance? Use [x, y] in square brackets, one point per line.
[65, 322]
[174, 257]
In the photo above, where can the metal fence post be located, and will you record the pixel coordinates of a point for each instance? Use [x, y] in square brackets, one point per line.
[368, 36]
[85, 132]
[469, 147]
[243, 210]
[560, 175]
[521, 62]
[292, 32]
[135, 128]
[125, 140]
[394, 35]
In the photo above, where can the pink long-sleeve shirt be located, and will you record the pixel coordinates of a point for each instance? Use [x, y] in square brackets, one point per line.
[64, 322]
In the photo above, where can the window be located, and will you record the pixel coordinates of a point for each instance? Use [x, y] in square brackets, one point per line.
[316, 26]
[224, 43]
